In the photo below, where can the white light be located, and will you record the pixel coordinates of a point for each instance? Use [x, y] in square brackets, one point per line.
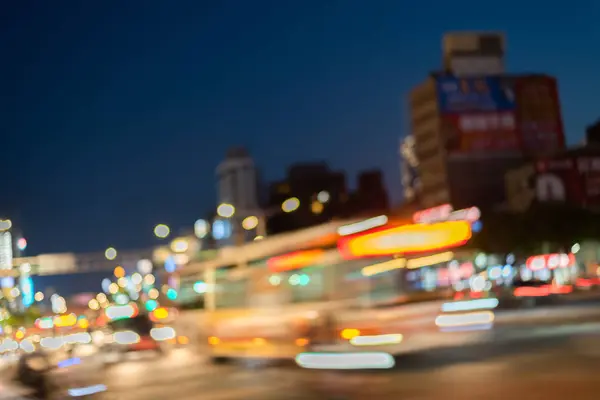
[110, 253]
[455, 320]
[345, 360]
[323, 196]
[362, 225]
[179, 245]
[39, 296]
[200, 287]
[25, 268]
[471, 305]
[161, 231]
[481, 260]
[477, 283]
[225, 210]
[376, 340]
[136, 279]
[575, 248]
[126, 337]
[164, 333]
[201, 228]
[5, 224]
[144, 267]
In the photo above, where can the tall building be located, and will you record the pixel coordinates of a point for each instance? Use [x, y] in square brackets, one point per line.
[473, 53]
[371, 193]
[237, 186]
[470, 127]
[237, 181]
[321, 193]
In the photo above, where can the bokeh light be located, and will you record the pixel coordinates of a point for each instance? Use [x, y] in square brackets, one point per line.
[110, 253]
[250, 222]
[225, 210]
[290, 205]
[161, 231]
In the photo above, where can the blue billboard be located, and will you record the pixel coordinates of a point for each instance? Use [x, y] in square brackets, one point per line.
[459, 95]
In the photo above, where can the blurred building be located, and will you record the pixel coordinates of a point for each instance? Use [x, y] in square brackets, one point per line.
[237, 180]
[571, 176]
[471, 126]
[238, 186]
[370, 196]
[321, 192]
[474, 53]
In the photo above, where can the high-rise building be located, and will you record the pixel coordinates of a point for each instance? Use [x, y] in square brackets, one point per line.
[371, 192]
[237, 186]
[321, 193]
[237, 181]
[470, 127]
[473, 53]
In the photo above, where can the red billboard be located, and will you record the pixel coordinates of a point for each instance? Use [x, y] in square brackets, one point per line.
[538, 115]
[500, 114]
[477, 114]
[481, 131]
[573, 179]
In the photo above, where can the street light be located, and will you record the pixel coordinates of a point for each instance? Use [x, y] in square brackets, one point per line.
[323, 196]
[250, 223]
[5, 224]
[110, 253]
[290, 205]
[225, 210]
[161, 231]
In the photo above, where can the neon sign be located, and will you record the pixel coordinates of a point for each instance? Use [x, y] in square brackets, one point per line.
[550, 261]
[407, 239]
[295, 260]
[446, 213]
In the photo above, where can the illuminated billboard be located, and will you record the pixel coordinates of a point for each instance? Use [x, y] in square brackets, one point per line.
[295, 260]
[477, 114]
[407, 239]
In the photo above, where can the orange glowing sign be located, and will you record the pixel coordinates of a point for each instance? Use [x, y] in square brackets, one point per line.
[298, 259]
[407, 239]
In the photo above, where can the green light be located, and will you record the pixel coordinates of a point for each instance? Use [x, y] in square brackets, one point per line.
[151, 305]
[171, 294]
[304, 280]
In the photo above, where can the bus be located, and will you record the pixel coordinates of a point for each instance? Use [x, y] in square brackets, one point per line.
[280, 296]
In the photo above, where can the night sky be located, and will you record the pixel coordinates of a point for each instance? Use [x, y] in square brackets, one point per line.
[116, 113]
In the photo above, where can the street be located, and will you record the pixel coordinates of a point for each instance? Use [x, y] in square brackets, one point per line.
[537, 367]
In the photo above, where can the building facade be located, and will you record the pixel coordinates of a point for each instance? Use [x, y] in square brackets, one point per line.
[237, 184]
[471, 127]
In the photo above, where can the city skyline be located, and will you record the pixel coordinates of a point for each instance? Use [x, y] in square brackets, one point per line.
[110, 137]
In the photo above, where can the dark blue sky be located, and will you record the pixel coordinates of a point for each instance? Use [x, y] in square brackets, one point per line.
[115, 113]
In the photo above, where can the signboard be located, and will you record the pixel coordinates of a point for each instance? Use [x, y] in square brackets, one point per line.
[539, 120]
[574, 180]
[468, 95]
[296, 260]
[478, 114]
[407, 239]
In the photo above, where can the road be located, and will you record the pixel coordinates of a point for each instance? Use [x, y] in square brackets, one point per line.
[540, 367]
